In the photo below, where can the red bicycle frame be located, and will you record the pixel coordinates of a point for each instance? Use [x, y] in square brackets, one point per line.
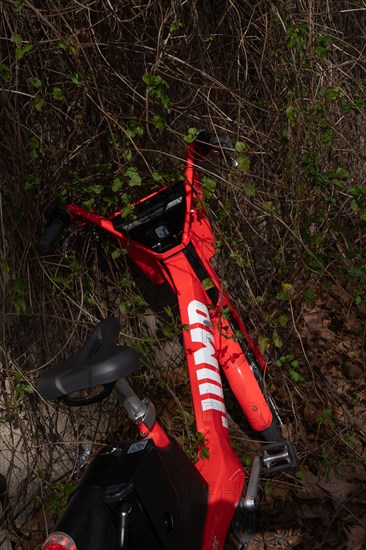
[210, 336]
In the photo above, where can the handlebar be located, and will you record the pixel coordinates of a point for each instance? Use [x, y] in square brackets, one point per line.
[59, 220]
[220, 146]
[206, 138]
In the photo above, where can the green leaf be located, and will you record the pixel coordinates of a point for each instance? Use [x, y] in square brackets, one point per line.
[18, 5]
[4, 72]
[191, 135]
[290, 114]
[116, 185]
[282, 320]
[355, 107]
[156, 176]
[35, 82]
[75, 79]
[332, 93]
[127, 210]
[284, 292]
[296, 376]
[270, 206]
[356, 190]
[88, 204]
[204, 453]
[158, 122]
[156, 86]
[167, 330]
[134, 176]
[57, 93]
[5, 266]
[117, 253]
[243, 163]
[65, 45]
[38, 102]
[148, 79]
[16, 38]
[263, 344]
[208, 38]
[207, 284]
[286, 287]
[31, 181]
[208, 186]
[169, 312]
[276, 340]
[175, 26]
[249, 190]
[20, 52]
[327, 136]
[309, 296]
[241, 147]
[363, 216]
[321, 46]
[342, 173]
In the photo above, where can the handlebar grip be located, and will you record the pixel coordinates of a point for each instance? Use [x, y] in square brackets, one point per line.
[211, 141]
[59, 220]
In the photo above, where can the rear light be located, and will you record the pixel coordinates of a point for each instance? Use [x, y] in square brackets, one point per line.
[59, 541]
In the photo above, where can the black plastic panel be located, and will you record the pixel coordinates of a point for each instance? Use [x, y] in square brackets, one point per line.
[159, 220]
[168, 499]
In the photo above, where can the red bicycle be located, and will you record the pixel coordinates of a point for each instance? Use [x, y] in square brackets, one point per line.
[147, 494]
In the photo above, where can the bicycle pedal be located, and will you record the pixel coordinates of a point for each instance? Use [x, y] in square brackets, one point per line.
[279, 457]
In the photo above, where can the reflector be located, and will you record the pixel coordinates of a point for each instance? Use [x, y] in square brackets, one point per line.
[59, 541]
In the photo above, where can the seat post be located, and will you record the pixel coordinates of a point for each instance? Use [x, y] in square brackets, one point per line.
[139, 411]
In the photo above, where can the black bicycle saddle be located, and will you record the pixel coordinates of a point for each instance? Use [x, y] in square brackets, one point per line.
[100, 362]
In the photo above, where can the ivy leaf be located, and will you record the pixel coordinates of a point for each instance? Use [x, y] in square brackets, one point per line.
[208, 186]
[57, 93]
[243, 163]
[117, 252]
[116, 185]
[156, 176]
[134, 176]
[284, 292]
[75, 78]
[38, 102]
[158, 122]
[16, 38]
[249, 190]
[290, 114]
[241, 147]
[204, 452]
[35, 82]
[263, 344]
[276, 339]
[127, 210]
[207, 283]
[20, 52]
[191, 135]
[4, 72]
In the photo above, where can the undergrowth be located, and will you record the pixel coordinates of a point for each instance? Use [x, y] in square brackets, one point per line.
[98, 103]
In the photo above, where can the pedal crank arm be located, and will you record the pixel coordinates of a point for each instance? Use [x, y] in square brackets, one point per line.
[249, 501]
[243, 523]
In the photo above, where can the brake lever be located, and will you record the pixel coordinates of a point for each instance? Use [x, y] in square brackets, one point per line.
[73, 232]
